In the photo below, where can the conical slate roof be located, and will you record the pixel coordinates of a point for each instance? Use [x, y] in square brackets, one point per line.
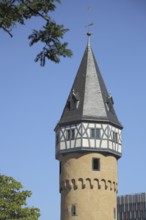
[89, 99]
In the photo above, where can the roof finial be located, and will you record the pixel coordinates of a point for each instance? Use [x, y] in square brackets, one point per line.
[89, 35]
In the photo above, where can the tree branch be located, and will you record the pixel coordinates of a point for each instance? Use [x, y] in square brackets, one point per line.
[3, 16]
[34, 11]
[6, 30]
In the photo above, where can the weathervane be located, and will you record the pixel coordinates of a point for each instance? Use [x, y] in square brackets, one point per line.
[89, 25]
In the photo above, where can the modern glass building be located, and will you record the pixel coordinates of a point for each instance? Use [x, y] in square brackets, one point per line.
[131, 207]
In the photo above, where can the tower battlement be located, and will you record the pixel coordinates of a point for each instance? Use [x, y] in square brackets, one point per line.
[88, 183]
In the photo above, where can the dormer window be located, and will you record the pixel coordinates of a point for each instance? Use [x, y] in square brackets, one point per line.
[95, 133]
[70, 134]
[73, 102]
[109, 103]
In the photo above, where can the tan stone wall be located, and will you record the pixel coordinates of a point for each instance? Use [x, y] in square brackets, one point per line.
[92, 192]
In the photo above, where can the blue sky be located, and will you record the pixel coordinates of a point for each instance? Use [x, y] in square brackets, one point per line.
[32, 98]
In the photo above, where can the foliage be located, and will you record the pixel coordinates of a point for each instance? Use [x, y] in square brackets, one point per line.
[13, 201]
[51, 34]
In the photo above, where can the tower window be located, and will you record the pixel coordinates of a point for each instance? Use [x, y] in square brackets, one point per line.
[70, 134]
[96, 164]
[73, 210]
[95, 133]
[115, 137]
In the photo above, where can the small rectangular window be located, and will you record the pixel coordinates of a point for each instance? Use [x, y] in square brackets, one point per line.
[73, 210]
[70, 134]
[96, 164]
[115, 137]
[95, 133]
[92, 133]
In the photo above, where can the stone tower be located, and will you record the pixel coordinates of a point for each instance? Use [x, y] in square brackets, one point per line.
[88, 145]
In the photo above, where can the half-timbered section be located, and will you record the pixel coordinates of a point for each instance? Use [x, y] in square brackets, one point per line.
[90, 137]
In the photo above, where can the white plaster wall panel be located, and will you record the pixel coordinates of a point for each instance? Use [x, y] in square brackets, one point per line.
[104, 126]
[62, 146]
[117, 130]
[78, 135]
[67, 127]
[120, 149]
[72, 144]
[98, 125]
[78, 126]
[78, 143]
[104, 135]
[84, 128]
[85, 143]
[85, 125]
[97, 143]
[92, 143]
[110, 145]
[104, 144]
[91, 125]
[88, 133]
[73, 127]
[68, 144]
[61, 138]
[114, 146]
[120, 137]
[84, 135]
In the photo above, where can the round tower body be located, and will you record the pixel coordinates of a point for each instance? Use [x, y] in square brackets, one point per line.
[88, 186]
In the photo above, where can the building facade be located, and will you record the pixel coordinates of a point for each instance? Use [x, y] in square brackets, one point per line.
[88, 146]
[132, 207]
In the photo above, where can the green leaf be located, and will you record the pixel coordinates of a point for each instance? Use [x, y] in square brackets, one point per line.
[50, 35]
[13, 203]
